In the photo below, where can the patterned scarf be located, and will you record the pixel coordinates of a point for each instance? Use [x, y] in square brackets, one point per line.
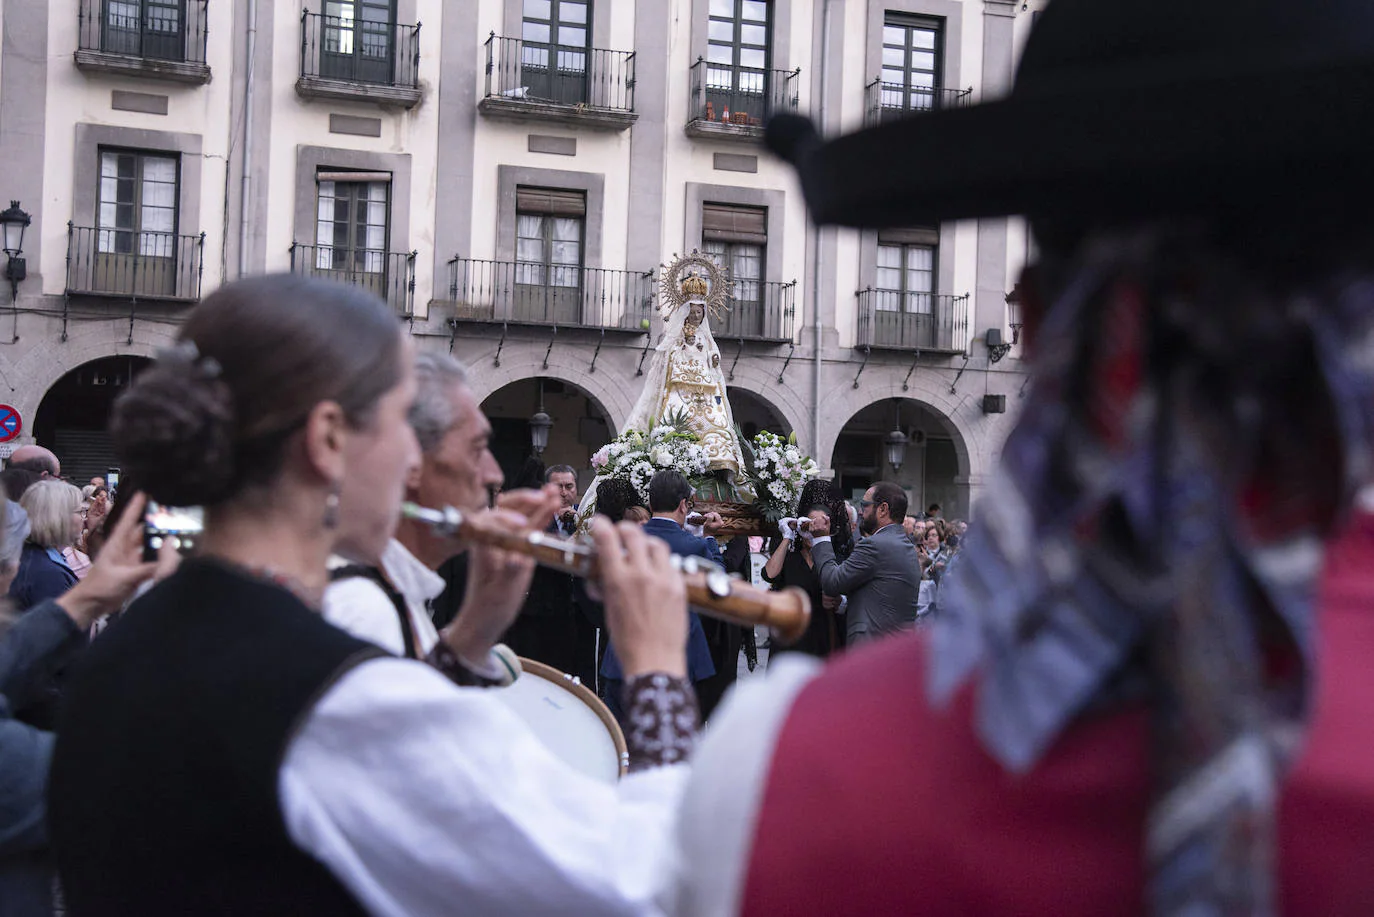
[1157, 531]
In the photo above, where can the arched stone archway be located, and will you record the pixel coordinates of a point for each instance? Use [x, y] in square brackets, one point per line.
[73, 417]
[935, 467]
[581, 424]
[759, 380]
[753, 413]
[38, 364]
[959, 414]
[523, 360]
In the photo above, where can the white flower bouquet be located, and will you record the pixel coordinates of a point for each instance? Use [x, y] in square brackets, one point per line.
[635, 456]
[779, 471]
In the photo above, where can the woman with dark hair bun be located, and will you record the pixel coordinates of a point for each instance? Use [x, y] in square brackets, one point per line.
[615, 498]
[790, 565]
[253, 758]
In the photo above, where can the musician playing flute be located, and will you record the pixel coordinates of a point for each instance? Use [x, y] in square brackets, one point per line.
[386, 600]
[256, 760]
[1149, 686]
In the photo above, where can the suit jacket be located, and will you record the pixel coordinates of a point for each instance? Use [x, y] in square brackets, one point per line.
[882, 579]
[682, 542]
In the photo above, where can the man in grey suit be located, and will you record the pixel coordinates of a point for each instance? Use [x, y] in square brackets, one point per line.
[882, 577]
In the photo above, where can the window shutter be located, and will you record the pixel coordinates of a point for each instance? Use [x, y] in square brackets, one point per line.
[551, 201]
[733, 223]
[916, 235]
[352, 176]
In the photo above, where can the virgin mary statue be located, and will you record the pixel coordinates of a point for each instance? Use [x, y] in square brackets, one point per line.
[685, 383]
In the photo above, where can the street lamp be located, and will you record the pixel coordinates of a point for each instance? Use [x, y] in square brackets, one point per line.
[895, 444]
[540, 425]
[13, 222]
[1013, 301]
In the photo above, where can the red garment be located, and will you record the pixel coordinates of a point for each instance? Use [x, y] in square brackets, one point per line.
[878, 804]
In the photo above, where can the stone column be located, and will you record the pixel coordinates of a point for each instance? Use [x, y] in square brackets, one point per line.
[999, 17]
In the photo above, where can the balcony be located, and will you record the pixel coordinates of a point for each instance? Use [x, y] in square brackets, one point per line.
[153, 39]
[893, 320]
[349, 60]
[884, 102]
[730, 103]
[591, 88]
[526, 293]
[388, 275]
[759, 311]
[134, 265]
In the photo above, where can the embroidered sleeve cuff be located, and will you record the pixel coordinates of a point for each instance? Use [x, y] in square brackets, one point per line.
[661, 720]
[497, 673]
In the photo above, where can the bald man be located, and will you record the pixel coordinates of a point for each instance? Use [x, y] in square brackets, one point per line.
[37, 459]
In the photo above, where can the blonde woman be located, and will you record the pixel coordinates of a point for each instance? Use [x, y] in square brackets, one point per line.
[54, 509]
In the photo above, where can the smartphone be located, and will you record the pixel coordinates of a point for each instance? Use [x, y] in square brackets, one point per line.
[696, 519]
[163, 522]
[112, 480]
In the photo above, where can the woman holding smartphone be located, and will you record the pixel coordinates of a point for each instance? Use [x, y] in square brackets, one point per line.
[256, 760]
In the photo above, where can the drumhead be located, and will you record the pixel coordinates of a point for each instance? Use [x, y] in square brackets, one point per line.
[571, 721]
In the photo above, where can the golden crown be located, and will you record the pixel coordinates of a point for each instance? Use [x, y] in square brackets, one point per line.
[694, 286]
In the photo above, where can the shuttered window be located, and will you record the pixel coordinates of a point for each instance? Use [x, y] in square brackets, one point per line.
[549, 229]
[916, 235]
[734, 223]
[551, 201]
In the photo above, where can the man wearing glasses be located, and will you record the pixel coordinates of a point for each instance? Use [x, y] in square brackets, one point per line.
[882, 577]
[671, 500]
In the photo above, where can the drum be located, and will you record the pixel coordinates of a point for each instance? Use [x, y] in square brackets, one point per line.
[572, 721]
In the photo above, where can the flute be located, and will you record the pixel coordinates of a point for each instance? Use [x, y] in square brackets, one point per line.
[709, 589]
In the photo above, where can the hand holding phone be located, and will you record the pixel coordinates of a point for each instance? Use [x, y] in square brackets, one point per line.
[185, 524]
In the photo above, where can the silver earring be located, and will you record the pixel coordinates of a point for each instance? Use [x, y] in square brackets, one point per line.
[331, 507]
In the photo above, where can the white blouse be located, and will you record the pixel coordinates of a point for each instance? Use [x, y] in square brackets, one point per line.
[425, 799]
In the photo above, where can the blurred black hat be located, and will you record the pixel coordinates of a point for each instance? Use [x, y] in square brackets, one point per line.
[1121, 111]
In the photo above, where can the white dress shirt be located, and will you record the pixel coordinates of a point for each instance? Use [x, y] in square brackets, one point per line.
[360, 607]
[425, 799]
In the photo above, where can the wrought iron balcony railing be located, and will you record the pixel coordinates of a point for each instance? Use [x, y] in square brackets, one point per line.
[738, 100]
[531, 76]
[157, 38]
[895, 320]
[343, 57]
[885, 102]
[390, 275]
[540, 294]
[137, 265]
[759, 311]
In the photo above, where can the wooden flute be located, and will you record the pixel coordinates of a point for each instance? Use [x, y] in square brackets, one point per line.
[710, 590]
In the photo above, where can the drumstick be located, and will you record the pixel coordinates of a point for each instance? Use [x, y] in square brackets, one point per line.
[709, 588]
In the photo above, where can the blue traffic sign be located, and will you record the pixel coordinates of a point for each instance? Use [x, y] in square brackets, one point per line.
[10, 423]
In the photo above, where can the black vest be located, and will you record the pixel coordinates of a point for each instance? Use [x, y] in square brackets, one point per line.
[163, 796]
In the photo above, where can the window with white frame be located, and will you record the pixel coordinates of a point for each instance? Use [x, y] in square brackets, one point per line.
[137, 207]
[353, 222]
[913, 48]
[554, 43]
[736, 237]
[550, 224]
[906, 270]
[738, 57]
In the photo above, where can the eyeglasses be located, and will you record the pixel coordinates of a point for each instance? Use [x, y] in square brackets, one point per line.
[865, 504]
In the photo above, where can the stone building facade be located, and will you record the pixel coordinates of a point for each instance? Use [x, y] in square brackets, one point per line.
[509, 175]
